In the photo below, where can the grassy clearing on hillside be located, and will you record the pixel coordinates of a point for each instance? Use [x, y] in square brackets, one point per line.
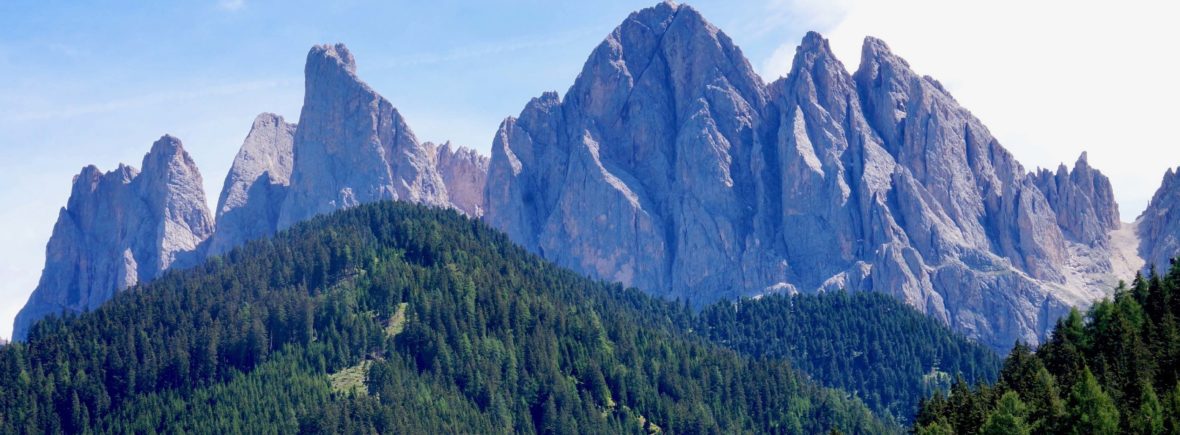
[397, 322]
[351, 380]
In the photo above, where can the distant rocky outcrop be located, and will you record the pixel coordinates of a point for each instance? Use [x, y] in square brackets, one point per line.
[669, 165]
[352, 146]
[256, 185]
[1159, 226]
[465, 173]
[1082, 199]
[120, 228]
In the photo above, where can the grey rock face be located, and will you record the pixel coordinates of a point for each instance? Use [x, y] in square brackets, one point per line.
[1159, 226]
[125, 227]
[352, 146]
[465, 173]
[256, 185]
[642, 174]
[121, 228]
[670, 166]
[1082, 199]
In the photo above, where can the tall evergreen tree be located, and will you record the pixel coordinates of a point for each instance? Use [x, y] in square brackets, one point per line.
[1171, 407]
[940, 427]
[1150, 418]
[1008, 418]
[1092, 411]
[1047, 408]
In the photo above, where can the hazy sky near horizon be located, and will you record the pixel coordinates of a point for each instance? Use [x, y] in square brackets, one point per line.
[98, 83]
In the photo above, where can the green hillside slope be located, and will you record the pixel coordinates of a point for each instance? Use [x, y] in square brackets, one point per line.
[870, 344]
[446, 325]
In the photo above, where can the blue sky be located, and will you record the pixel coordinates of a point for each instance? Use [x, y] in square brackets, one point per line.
[96, 83]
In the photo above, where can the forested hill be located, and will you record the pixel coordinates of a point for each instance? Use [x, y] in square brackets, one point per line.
[1116, 370]
[870, 344]
[403, 319]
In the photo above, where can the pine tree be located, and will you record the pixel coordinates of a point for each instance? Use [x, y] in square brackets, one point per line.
[1092, 410]
[1008, 418]
[1064, 351]
[1171, 409]
[1047, 408]
[1020, 369]
[1150, 418]
[940, 427]
[550, 418]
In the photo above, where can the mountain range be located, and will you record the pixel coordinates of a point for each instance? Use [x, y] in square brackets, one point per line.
[670, 166]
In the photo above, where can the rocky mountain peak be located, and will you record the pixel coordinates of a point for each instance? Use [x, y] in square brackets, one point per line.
[813, 42]
[816, 75]
[352, 146]
[876, 51]
[87, 179]
[328, 56]
[169, 168]
[670, 166]
[1082, 200]
[125, 227]
[167, 146]
[121, 228]
[465, 173]
[666, 45]
[266, 151]
[1159, 225]
[814, 57]
[256, 184]
[173, 191]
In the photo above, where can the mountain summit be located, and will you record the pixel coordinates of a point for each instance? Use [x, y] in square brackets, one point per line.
[669, 165]
[121, 228]
[256, 185]
[1159, 226]
[351, 147]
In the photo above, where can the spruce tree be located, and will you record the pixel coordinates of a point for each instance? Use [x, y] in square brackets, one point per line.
[1150, 418]
[1046, 407]
[940, 427]
[1092, 410]
[1171, 409]
[1008, 418]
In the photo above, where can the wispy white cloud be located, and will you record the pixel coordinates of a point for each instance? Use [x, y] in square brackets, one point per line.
[17, 115]
[66, 50]
[795, 16]
[483, 50]
[231, 5]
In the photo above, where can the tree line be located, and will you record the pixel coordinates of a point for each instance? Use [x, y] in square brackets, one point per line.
[1113, 370]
